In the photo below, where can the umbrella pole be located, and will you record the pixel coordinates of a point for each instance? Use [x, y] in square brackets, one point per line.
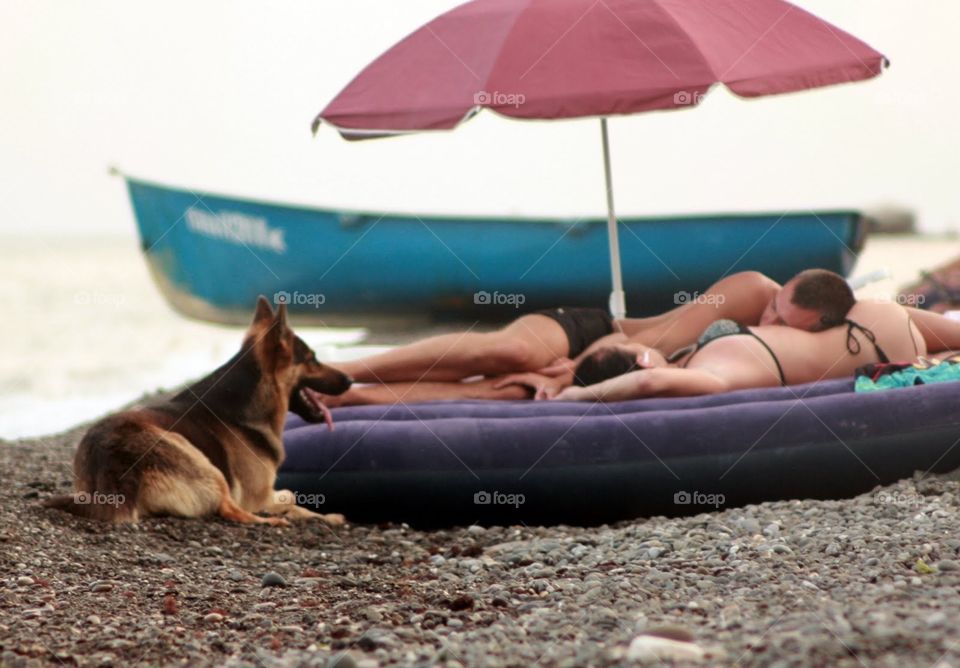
[618, 300]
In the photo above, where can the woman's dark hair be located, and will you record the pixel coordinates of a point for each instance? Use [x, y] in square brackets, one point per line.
[826, 292]
[603, 364]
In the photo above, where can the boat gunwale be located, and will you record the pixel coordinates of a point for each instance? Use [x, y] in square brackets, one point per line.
[453, 218]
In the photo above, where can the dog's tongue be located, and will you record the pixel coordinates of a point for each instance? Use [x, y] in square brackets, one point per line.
[317, 400]
[327, 415]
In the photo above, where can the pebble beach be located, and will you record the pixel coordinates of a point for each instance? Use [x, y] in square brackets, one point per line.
[870, 581]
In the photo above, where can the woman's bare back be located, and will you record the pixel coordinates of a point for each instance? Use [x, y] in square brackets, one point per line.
[743, 361]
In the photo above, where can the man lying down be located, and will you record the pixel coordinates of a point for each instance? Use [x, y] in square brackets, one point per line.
[746, 331]
[729, 356]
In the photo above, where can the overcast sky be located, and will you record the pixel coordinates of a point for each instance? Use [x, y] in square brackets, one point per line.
[219, 95]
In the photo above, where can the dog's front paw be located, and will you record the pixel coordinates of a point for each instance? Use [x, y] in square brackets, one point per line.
[334, 519]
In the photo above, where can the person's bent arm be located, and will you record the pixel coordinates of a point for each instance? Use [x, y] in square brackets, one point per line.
[660, 382]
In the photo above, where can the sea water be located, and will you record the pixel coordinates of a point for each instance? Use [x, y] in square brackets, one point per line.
[83, 330]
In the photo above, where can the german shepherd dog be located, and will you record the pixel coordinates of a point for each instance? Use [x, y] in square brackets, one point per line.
[213, 449]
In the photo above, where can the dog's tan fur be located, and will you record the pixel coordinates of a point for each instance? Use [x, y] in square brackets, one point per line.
[215, 448]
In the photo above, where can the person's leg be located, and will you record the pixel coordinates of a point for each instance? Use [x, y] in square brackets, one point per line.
[741, 297]
[527, 344]
[409, 392]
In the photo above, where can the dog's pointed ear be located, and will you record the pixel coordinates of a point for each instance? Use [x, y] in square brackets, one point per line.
[263, 311]
[280, 319]
[279, 338]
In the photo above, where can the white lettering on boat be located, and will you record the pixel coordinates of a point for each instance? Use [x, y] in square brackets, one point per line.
[238, 228]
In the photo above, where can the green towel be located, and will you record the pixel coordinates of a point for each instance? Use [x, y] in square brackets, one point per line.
[939, 373]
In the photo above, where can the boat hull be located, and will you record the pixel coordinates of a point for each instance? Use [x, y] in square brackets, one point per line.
[213, 255]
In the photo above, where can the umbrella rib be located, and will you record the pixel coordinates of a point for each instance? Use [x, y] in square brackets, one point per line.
[676, 22]
[853, 53]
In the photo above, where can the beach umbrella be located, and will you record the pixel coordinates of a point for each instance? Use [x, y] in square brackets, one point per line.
[553, 59]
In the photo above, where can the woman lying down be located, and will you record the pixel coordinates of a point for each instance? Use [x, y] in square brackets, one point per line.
[812, 328]
[729, 357]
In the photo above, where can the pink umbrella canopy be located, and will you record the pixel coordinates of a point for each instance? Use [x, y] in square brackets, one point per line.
[552, 59]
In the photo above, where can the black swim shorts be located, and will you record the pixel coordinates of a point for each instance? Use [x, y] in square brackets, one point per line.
[582, 326]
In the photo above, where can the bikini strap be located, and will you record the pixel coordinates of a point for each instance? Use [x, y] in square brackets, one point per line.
[776, 360]
[853, 343]
[734, 330]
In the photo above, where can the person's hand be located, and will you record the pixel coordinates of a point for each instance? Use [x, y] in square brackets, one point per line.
[560, 374]
[543, 387]
[559, 367]
[554, 386]
[575, 393]
[531, 380]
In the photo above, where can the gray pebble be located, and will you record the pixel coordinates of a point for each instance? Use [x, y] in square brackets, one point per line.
[371, 614]
[343, 660]
[273, 579]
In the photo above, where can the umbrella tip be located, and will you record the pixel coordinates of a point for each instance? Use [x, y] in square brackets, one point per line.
[315, 125]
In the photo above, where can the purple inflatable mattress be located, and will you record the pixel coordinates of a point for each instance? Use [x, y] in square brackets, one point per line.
[463, 462]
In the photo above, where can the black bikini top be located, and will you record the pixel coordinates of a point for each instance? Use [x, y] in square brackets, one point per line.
[720, 329]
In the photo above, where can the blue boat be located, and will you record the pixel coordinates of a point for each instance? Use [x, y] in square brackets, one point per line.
[211, 255]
